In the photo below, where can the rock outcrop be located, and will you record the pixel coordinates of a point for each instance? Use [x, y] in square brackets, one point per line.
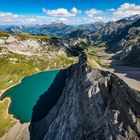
[132, 57]
[94, 105]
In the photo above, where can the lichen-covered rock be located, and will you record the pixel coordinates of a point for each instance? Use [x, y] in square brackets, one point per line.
[94, 105]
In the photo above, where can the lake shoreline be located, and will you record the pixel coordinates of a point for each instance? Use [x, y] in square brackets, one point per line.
[3, 91]
[1, 101]
[17, 121]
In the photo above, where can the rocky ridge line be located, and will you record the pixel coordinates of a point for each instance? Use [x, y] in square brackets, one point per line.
[94, 105]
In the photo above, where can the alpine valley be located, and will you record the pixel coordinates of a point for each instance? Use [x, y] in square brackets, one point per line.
[70, 82]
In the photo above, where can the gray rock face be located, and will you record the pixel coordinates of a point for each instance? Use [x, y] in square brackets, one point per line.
[94, 105]
[126, 37]
[133, 56]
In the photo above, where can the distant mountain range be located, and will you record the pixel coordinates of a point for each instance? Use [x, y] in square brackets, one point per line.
[121, 35]
[53, 29]
[97, 31]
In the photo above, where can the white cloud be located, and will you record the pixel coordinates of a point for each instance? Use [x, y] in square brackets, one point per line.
[126, 10]
[111, 10]
[69, 17]
[93, 12]
[62, 12]
[75, 11]
[8, 15]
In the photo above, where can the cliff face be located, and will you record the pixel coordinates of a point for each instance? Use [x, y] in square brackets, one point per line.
[132, 57]
[94, 105]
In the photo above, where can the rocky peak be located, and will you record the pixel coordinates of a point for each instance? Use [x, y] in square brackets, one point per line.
[94, 105]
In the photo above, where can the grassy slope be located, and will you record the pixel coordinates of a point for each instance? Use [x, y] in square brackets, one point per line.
[6, 121]
[3, 34]
[98, 54]
[24, 36]
[14, 66]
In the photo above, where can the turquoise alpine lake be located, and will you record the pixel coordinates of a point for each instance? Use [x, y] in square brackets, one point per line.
[33, 98]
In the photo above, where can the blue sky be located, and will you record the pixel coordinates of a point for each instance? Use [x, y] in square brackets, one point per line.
[67, 11]
[35, 6]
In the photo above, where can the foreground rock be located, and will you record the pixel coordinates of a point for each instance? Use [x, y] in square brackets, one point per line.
[17, 132]
[94, 105]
